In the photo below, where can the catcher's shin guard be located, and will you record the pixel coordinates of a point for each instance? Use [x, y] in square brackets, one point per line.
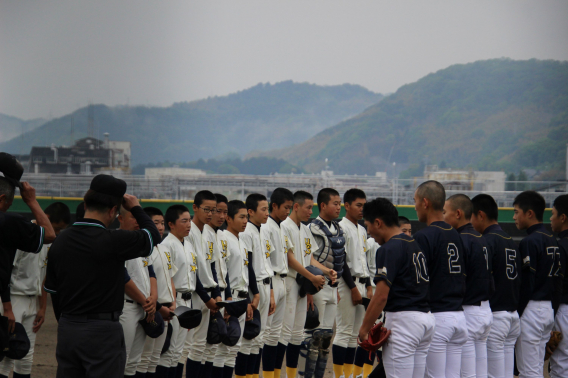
[312, 353]
[324, 335]
[302, 358]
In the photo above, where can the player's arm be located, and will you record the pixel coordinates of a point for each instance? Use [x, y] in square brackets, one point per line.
[40, 316]
[318, 281]
[228, 293]
[7, 307]
[132, 244]
[529, 252]
[376, 306]
[253, 286]
[216, 292]
[29, 197]
[356, 297]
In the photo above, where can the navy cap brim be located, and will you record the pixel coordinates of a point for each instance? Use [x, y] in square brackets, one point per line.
[234, 308]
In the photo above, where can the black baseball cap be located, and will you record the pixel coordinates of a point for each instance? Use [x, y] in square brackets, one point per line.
[155, 328]
[234, 308]
[307, 285]
[168, 340]
[109, 185]
[18, 343]
[252, 327]
[233, 332]
[312, 318]
[187, 317]
[217, 329]
[366, 302]
[11, 168]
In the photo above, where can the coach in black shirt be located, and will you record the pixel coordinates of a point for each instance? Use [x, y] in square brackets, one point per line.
[86, 270]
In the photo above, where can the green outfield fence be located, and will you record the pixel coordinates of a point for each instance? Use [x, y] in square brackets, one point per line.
[505, 213]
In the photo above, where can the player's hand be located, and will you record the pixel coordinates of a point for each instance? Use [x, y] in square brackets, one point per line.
[212, 306]
[166, 313]
[173, 306]
[332, 276]
[272, 307]
[129, 201]
[249, 312]
[229, 299]
[149, 306]
[356, 296]
[363, 336]
[255, 302]
[370, 292]
[310, 301]
[11, 319]
[218, 299]
[318, 281]
[27, 192]
[39, 319]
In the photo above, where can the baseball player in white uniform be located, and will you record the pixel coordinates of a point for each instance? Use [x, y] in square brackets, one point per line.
[301, 242]
[140, 296]
[204, 242]
[272, 236]
[402, 291]
[240, 283]
[27, 296]
[350, 312]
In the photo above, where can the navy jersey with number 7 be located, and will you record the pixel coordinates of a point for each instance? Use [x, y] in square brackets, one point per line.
[403, 267]
[442, 245]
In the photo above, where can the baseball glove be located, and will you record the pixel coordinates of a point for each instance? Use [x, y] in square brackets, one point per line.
[552, 344]
[378, 335]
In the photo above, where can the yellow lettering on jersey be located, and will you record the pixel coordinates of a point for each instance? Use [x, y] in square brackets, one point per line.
[308, 250]
[209, 250]
[168, 256]
[268, 248]
[287, 245]
[224, 248]
[145, 262]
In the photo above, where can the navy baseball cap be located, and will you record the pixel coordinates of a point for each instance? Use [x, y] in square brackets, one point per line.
[168, 340]
[234, 308]
[307, 285]
[312, 318]
[252, 327]
[155, 328]
[366, 302]
[187, 317]
[233, 332]
[18, 343]
[11, 168]
[109, 185]
[217, 330]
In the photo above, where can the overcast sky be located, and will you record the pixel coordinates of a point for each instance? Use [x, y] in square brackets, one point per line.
[56, 56]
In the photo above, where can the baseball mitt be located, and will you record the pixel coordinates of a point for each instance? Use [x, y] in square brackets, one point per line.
[552, 344]
[378, 335]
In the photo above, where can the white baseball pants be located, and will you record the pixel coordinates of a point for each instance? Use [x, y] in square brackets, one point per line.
[536, 324]
[404, 354]
[503, 335]
[295, 314]
[179, 334]
[151, 353]
[559, 359]
[253, 346]
[134, 335]
[211, 349]
[444, 354]
[274, 321]
[25, 310]
[226, 355]
[348, 318]
[197, 337]
[326, 302]
[474, 352]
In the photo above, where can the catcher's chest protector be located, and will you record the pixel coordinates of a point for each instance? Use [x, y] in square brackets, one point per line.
[332, 255]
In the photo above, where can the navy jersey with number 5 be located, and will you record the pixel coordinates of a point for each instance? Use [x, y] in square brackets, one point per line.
[478, 282]
[507, 264]
[443, 248]
[541, 263]
[402, 265]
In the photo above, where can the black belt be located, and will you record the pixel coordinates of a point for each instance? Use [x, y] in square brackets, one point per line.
[265, 281]
[281, 275]
[166, 304]
[185, 296]
[241, 294]
[360, 279]
[131, 301]
[112, 316]
[209, 289]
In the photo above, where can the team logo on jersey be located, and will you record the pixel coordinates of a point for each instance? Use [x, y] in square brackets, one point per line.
[194, 263]
[145, 261]
[224, 248]
[287, 244]
[308, 250]
[268, 248]
[245, 260]
[168, 256]
[209, 250]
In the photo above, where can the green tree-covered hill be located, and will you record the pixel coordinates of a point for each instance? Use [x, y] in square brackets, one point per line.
[263, 117]
[490, 115]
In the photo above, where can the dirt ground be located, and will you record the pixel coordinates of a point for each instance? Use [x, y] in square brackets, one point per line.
[45, 364]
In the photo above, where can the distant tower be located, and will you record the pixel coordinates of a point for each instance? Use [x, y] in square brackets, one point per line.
[91, 123]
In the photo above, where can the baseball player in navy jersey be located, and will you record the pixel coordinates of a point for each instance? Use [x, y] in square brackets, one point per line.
[402, 282]
[442, 246]
[281, 201]
[250, 352]
[506, 264]
[242, 280]
[349, 313]
[203, 240]
[559, 223]
[479, 286]
[28, 300]
[541, 257]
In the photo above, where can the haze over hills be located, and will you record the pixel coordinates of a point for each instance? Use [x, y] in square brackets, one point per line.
[489, 115]
[11, 127]
[266, 116]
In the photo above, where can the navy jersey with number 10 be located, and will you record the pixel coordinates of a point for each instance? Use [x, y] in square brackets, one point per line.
[402, 265]
[442, 246]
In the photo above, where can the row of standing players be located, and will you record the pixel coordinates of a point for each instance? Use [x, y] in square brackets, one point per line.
[437, 273]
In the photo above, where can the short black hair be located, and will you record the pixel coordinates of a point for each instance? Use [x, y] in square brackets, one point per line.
[301, 196]
[173, 213]
[100, 202]
[434, 192]
[487, 204]
[153, 211]
[203, 195]
[403, 220]
[324, 196]
[58, 212]
[352, 195]
[531, 200]
[279, 196]
[462, 202]
[561, 204]
[80, 210]
[253, 200]
[221, 198]
[233, 208]
[383, 209]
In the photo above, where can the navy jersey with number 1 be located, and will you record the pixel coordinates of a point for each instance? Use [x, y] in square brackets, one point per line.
[444, 252]
[403, 267]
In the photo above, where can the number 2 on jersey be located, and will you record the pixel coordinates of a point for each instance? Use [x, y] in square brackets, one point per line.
[419, 261]
[453, 260]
